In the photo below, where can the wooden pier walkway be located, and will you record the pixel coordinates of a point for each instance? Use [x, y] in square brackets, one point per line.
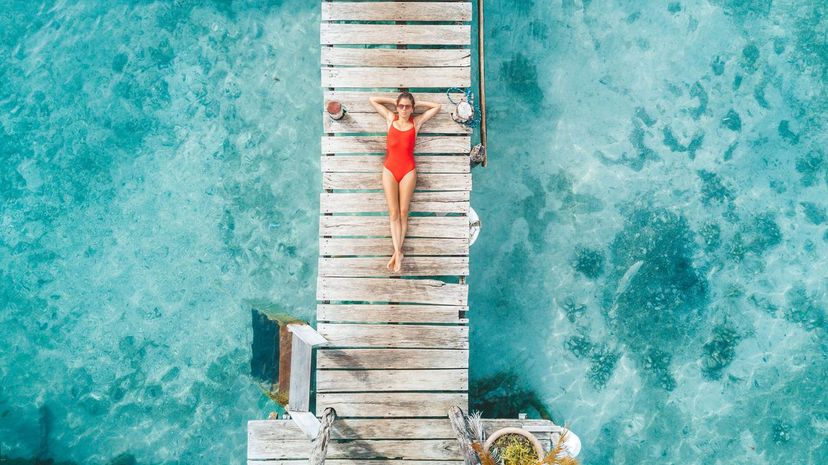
[397, 347]
[397, 344]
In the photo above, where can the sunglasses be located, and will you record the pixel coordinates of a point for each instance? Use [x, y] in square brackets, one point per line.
[403, 106]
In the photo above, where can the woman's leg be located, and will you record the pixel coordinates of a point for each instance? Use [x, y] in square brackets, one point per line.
[407, 184]
[392, 195]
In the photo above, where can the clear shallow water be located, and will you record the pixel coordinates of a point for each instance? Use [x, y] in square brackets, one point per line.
[656, 263]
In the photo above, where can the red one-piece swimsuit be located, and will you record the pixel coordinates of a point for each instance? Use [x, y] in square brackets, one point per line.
[399, 150]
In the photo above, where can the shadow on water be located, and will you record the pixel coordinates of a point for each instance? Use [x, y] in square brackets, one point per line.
[123, 459]
[45, 425]
[504, 396]
[264, 359]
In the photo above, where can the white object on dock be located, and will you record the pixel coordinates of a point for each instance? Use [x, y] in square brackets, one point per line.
[307, 422]
[307, 334]
[474, 225]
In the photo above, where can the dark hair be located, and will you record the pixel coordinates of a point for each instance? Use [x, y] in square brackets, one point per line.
[408, 96]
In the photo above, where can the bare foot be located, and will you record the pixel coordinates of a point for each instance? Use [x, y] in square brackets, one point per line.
[392, 262]
[398, 263]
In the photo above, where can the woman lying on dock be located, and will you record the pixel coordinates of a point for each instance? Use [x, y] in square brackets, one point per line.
[399, 174]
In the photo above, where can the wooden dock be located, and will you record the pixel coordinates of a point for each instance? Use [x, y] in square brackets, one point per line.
[397, 347]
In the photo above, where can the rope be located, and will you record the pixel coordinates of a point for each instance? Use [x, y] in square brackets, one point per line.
[320, 444]
[474, 121]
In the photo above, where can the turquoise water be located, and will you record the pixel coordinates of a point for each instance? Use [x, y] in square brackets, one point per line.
[653, 257]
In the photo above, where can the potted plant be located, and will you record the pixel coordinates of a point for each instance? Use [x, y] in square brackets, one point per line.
[514, 446]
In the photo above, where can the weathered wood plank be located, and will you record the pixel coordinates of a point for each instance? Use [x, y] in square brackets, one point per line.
[392, 380]
[421, 449]
[391, 313]
[383, 404]
[307, 422]
[441, 123]
[398, 336]
[306, 334]
[350, 428]
[394, 34]
[411, 266]
[391, 358]
[358, 462]
[396, 77]
[356, 100]
[392, 57]
[446, 164]
[449, 227]
[376, 144]
[375, 202]
[382, 428]
[423, 291]
[300, 365]
[274, 431]
[425, 181]
[413, 246]
[396, 11]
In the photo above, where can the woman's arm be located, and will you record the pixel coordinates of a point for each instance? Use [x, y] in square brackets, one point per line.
[433, 109]
[378, 104]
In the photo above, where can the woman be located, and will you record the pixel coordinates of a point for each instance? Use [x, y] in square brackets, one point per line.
[399, 174]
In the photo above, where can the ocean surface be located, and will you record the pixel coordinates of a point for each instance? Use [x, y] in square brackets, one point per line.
[651, 269]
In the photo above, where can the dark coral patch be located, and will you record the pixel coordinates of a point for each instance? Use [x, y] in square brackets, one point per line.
[521, 77]
[809, 166]
[785, 132]
[814, 213]
[711, 235]
[732, 121]
[719, 351]
[756, 236]
[713, 189]
[804, 309]
[589, 262]
[661, 294]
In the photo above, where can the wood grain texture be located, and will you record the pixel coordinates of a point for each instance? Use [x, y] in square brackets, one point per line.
[383, 404]
[448, 227]
[413, 246]
[300, 365]
[376, 266]
[397, 11]
[375, 202]
[423, 291]
[394, 34]
[395, 58]
[391, 358]
[459, 76]
[392, 380]
[397, 336]
[391, 313]
[357, 462]
[427, 449]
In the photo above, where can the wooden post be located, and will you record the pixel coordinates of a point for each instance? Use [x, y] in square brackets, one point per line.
[481, 78]
[284, 362]
[300, 365]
